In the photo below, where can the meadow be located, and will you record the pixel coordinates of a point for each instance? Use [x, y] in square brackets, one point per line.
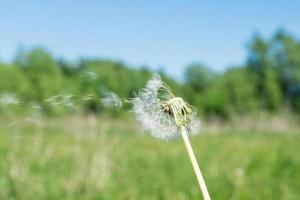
[88, 157]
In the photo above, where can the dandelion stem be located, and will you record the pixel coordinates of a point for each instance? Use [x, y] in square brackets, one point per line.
[195, 164]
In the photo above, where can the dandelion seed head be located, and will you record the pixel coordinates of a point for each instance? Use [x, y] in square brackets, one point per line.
[161, 113]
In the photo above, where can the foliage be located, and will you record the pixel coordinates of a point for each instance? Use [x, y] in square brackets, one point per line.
[268, 81]
[233, 92]
[199, 76]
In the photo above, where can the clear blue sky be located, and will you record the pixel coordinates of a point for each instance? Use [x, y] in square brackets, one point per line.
[169, 33]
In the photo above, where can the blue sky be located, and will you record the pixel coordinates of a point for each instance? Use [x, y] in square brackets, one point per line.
[169, 34]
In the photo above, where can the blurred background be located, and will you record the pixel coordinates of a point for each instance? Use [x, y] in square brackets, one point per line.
[67, 69]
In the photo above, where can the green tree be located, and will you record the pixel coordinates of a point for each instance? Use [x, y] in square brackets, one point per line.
[13, 80]
[43, 74]
[268, 86]
[285, 51]
[199, 76]
[233, 92]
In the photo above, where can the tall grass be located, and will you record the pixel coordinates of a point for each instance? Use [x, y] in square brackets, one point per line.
[103, 158]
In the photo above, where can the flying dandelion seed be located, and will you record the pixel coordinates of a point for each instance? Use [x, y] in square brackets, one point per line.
[12, 123]
[32, 119]
[52, 99]
[8, 99]
[166, 116]
[88, 97]
[90, 75]
[66, 101]
[111, 99]
[37, 110]
[69, 104]
[36, 107]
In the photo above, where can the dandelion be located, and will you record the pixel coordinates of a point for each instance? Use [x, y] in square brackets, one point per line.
[167, 116]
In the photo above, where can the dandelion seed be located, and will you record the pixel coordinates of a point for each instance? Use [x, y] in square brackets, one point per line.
[111, 99]
[88, 97]
[165, 116]
[61, 100]
[37, 107]
[8, 99]
[12, 123]
[20, 137]
[32, 119]
[90, 75]
[52, 99]
[69, 104]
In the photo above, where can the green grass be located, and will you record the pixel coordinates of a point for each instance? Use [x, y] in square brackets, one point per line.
[81, 158]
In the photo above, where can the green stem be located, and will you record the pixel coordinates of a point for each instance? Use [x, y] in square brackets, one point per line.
[195, 164]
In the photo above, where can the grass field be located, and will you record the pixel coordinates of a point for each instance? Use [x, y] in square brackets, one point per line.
[89, 158]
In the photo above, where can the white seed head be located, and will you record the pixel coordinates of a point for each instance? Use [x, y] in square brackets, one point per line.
[161, 113]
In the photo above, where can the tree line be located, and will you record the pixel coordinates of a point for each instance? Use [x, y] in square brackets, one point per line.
[268, 80]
